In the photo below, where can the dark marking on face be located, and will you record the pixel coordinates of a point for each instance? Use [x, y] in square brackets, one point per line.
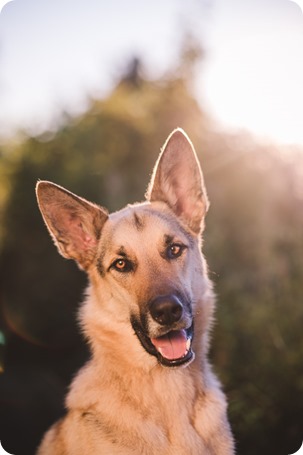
[168, 240]
[175, 226]
[100, 266]
[121, 252]
[139, 224]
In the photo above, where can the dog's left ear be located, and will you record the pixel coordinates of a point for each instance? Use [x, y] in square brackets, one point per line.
[177, 180]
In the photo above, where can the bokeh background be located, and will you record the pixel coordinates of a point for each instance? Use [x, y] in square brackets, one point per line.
[89, 90]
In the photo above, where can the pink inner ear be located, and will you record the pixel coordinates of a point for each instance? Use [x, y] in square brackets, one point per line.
[190, 205]
[184, 197]
[79, 238]
[185, 209]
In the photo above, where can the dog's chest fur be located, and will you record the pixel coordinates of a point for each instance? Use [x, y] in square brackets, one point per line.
[127, 420]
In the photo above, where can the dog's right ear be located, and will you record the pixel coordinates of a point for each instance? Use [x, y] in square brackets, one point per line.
[74, 223]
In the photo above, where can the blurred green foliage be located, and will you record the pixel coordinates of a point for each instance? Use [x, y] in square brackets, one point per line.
[253, 243]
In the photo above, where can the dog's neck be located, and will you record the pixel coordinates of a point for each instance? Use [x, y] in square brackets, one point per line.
[100, 373]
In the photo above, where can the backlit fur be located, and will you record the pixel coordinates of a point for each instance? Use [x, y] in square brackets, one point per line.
[124, 401]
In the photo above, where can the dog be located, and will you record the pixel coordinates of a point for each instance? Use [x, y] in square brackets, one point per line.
[148, 388]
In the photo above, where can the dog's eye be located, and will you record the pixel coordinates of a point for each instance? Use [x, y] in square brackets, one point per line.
[122, 265]
[174, 251]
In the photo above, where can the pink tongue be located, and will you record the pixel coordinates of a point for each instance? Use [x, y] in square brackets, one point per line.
[172, 345]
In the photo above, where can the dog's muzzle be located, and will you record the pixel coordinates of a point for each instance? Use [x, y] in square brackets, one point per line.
[173, 347]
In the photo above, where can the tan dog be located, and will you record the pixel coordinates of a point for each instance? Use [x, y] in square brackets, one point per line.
[148, 388]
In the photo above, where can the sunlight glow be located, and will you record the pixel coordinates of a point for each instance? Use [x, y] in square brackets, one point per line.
[3, 3]
[256, 82]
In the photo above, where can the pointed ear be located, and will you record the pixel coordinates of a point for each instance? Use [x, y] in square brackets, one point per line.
[177, 180]
[74, 223]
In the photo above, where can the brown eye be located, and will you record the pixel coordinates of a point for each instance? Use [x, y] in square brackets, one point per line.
[122, 265]
[174, 251]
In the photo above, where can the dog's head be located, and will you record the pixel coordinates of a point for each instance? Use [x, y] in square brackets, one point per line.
[144, 262]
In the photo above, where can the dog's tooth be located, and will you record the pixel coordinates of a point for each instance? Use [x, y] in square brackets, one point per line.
[188, 343]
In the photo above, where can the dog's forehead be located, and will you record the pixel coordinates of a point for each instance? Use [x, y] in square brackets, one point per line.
[147, 221]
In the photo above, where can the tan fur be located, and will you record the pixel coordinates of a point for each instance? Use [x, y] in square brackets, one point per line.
[124, 400]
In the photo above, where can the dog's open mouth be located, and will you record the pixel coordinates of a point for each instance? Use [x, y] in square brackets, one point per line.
[172, 349]
[174, 345]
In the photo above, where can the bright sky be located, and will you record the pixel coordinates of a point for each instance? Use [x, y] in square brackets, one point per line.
[255, 74]
[55, 52]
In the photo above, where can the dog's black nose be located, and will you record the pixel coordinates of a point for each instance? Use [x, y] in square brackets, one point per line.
[166, 309]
